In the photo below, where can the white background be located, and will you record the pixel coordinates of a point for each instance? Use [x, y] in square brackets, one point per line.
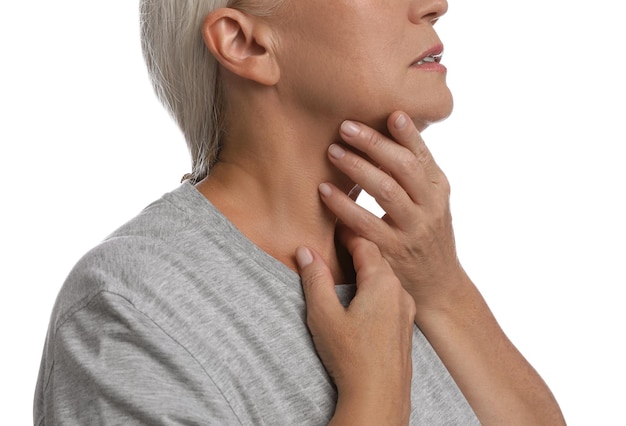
[534, 152]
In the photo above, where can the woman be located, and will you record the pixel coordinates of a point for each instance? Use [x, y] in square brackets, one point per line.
[194, 312]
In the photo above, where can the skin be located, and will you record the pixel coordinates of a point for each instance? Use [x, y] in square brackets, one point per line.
[291, 82]
[357, 70]
[417, 239]
[376, 331]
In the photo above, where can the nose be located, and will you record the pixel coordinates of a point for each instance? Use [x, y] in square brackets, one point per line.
[427, 10]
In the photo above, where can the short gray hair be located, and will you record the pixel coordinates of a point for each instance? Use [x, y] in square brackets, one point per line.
[185, 74]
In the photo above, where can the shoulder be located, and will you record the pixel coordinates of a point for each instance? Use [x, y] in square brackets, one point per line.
[137, 260]
[118, 265]
[109, 351]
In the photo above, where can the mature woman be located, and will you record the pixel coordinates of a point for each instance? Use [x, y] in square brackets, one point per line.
[194, 312]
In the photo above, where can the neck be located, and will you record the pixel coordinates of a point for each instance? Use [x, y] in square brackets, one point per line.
[266, 184]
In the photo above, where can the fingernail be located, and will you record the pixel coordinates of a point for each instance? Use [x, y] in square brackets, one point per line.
[325, 189]
[304, 257]
[336, 151]
[350, 128]
[400, 122]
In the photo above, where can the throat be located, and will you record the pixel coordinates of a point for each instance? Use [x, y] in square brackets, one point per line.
[279, 226]
[336, 256]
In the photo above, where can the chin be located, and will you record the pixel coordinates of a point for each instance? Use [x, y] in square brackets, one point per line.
[428, 111]
[432, 113]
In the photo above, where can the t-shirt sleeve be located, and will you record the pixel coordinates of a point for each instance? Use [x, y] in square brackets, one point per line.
[110, 364]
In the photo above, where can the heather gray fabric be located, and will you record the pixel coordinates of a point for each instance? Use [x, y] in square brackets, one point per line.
[177, 318]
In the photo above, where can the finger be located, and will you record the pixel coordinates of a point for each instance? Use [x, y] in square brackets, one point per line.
[369, 264]
[393, 156]
[403, 130]
[363, 251]
[355, 217]
[389, 194]
[317, 283]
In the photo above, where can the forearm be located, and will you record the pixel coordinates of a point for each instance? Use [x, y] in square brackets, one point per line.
[498, 382]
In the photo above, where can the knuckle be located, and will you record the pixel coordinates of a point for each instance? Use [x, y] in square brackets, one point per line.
[368, 250]
[445, 185]
[365, 224]
[374, 141]
[313, 277]
[442, 212]
[356, 163]
[389, 190]
[407, 163]
[446, 189]
[422, 152]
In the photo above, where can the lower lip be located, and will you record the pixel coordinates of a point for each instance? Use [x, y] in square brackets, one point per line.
[430, 66]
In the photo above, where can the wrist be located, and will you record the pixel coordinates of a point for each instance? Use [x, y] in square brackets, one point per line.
[373, 407]
[445, 295]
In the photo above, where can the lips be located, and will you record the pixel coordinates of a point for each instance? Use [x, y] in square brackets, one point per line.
[432, 55]
[430, 58]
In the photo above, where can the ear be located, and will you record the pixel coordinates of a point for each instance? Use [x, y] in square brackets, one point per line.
[242, 44]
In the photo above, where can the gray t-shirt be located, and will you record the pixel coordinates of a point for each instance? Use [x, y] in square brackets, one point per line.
[177, 318]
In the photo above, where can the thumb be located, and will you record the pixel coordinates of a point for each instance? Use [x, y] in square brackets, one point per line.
[317, 283]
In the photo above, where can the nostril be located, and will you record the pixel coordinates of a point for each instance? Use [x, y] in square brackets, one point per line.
[430, 18]
[427, 11]
[433, 17]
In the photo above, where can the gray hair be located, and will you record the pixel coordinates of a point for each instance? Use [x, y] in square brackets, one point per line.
[185, 75]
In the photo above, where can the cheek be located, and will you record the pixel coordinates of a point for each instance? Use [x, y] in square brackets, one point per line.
[314, 85]
[331, 80]
[343, 74]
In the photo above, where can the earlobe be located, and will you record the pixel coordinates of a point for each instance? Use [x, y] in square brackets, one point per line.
[241, 43]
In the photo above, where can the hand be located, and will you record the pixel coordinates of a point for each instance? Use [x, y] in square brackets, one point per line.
[415, 235]
[366, 347]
